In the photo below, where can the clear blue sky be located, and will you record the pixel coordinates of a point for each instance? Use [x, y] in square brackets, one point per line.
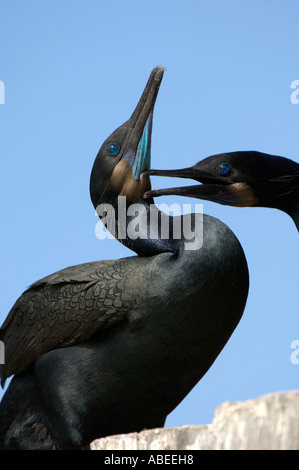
[74, 70]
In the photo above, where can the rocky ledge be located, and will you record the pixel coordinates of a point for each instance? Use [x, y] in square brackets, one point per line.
[270, 422]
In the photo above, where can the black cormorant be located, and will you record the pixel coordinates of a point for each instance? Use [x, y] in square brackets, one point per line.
[245, 178]
[114, 346]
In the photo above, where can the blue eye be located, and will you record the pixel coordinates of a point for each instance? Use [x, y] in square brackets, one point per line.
[224, 169]
[113, 149]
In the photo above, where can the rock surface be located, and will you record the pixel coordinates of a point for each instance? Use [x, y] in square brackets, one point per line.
[266, 423]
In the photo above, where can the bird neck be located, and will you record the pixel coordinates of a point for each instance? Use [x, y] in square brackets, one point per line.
[293, 212]
[290, 205]
[296, 219]
[142, 227]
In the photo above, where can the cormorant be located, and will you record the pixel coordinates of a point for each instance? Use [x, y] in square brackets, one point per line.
[114, 346]
[246, 178]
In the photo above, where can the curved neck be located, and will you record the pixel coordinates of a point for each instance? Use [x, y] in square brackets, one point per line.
[290, 205]
[293, 212]
[296, 219]
[148, 231]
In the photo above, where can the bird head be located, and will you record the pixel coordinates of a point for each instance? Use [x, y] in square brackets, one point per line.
[241, 179]
[126, 153]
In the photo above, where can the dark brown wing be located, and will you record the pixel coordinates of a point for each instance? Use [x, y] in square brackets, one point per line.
[66, 307]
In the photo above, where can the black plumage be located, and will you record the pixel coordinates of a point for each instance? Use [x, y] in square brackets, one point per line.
[114, 346]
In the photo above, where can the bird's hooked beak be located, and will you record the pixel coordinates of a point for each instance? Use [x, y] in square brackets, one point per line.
[213, 188]
[242, 178]
[138, 144]
[135, 152]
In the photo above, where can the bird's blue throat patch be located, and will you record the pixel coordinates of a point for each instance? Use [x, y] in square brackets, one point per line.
[142, 160]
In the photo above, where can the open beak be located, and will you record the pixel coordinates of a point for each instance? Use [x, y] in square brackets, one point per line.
[138, 142]
[212, 188]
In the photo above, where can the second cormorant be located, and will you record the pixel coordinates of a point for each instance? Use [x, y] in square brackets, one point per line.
[244, 178]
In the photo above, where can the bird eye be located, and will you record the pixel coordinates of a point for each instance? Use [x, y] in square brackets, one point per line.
[113, 149]
[224, 169]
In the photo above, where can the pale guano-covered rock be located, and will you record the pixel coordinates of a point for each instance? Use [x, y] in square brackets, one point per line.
[266, 423]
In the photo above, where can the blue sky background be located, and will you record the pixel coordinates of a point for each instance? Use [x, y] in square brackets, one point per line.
[74, 70]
